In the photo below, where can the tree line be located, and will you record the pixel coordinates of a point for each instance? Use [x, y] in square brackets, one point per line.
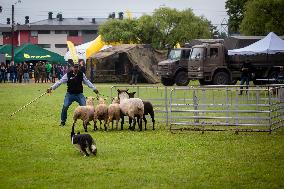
[255, 17]
[168, 26]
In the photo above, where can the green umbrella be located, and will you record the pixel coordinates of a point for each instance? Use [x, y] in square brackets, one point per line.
[30, 52]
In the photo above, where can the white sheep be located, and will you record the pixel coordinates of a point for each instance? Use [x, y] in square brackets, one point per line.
[114, 112]
[85, 113]
[130, 107]
[148, 109]
[101, 113]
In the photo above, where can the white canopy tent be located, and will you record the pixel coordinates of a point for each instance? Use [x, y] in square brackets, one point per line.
[271, 44]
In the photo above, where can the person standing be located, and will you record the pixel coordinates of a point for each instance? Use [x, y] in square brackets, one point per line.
[3, 71]
[82, 66]
[36, 73]
[26, 73]
[8, 72]
[135, 75]
[48, 71]
[20, 72]
[43, 73]
[53, 73]
[58, 72]
[245, 77]
[14, 75]
[74, 79]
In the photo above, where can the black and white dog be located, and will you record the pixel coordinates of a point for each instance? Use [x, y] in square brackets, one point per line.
[82, 142]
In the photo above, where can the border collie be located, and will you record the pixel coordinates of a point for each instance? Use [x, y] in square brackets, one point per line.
[82, 142]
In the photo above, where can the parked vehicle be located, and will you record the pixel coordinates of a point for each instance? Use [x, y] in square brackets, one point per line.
[210, 64]
[174, 70]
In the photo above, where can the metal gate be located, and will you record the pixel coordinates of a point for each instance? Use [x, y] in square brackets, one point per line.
[214, 107]
[218, 108]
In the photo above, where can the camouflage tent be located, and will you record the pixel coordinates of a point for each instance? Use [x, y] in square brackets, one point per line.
[124, 56]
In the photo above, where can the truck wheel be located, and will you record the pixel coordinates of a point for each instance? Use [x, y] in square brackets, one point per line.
[202, 82]
[221, 78]
[181, 79]
[167, 81]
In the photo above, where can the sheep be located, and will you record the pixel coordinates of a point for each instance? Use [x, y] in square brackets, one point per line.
[148, 109]
[114, 112]
[101, 113]
[85, 113]
[131, 108]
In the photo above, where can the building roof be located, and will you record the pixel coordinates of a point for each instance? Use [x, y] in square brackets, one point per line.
[66, 24]
[5, 28]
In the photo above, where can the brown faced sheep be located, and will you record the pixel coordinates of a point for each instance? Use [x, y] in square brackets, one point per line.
[85, 113]
[148, 109]
[114, 112]
[101, 113]
[131, 108]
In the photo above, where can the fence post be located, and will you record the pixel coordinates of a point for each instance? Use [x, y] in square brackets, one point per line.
[237, 111]
[166, 106]
[269, 97]
[170, 112]
[195, 106]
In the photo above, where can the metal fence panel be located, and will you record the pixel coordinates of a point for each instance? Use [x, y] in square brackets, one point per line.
[208, 108]
[222, 108]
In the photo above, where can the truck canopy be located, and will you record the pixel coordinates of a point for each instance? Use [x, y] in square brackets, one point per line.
[271, 44]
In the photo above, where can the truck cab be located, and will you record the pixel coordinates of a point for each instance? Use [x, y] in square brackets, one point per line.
[173, 70]
[207, 64]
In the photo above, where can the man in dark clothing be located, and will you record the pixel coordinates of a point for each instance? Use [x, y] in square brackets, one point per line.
[14, 75]
[135, 74]
[74, 79]
[280, 77]
[245, 77]
[82, 66]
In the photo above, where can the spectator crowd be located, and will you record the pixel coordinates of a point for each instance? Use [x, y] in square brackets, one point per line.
[23, 72]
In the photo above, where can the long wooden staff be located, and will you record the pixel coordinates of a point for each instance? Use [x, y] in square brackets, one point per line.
[29, 103]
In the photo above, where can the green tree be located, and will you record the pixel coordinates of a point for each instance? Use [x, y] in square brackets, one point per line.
[147, 30]
[122, 31]
[165, 26]
[235, 10]
[262, 17]
[179, 27]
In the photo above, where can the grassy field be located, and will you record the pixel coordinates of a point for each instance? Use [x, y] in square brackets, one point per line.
[37, 153]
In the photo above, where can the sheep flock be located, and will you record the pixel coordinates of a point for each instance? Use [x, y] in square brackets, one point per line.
[123, 105]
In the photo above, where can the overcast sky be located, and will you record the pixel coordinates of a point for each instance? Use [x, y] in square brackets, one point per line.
[213, 10]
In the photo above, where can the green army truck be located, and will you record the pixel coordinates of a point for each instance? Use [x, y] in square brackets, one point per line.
[174, 70]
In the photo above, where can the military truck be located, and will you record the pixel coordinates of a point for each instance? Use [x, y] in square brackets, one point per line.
[210, 64]
[174, 70]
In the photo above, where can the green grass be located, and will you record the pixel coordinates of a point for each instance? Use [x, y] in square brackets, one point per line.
[37, 153]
